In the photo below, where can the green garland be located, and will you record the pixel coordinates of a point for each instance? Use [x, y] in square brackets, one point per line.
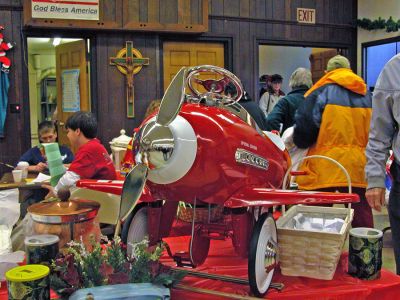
[390, 25]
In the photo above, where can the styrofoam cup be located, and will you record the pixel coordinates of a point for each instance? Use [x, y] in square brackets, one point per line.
[17, 175]
[23, 165]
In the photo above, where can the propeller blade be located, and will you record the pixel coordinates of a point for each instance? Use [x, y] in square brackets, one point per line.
[173, 98]
[132, 189]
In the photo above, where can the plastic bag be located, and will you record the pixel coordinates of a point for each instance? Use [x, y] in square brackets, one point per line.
[10, 212]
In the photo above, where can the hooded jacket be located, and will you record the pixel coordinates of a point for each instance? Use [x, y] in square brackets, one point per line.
[334, 121]
[384, 132]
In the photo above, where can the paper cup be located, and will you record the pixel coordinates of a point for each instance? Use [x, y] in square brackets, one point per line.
[17, 175]
[23, 165]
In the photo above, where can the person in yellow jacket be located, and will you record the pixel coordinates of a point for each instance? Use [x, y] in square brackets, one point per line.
[334, 121]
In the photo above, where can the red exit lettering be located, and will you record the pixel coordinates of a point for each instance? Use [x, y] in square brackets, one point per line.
[305, 15]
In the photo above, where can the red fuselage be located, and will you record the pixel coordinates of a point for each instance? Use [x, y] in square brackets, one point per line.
[215, 174]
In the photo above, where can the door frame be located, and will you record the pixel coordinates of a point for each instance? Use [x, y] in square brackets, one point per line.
[267, 42]
[91, 58]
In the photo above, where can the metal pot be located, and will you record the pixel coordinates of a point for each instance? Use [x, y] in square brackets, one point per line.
[70, 220]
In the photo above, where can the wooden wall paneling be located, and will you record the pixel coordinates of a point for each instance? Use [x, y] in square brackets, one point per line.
[117, 82]
[166, 15]
[204, 14]
[16, 3]
[269, 13]
[257, 9]
[153, 11]
[350, 13]
[151, 77]
[278, 13]
[169, 11]
[331, 14]
[232, 28]
[309, 32]
[143, 11]
[111, 12]
[291, 11]
[184, 12]
[16, 139]
[112, 103]
[105, 95]
[245, 50]
[196, 9]
[319, 32]
[252, 87]
[244, 8]
[131, 11]
[216, 8]
[336, 15]
[231, 8]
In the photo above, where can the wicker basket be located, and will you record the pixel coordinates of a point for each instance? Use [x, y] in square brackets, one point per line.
[313, 254]
[185, 214]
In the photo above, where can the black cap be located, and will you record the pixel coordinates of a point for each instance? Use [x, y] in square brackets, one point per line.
[276, 78]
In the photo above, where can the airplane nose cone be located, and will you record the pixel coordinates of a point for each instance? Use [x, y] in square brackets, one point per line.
[156, 144]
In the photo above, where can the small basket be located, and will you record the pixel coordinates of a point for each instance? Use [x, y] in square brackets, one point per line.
[313, 254]
[185, 214]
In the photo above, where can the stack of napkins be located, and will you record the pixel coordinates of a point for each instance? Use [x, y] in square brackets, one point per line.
[324, 224]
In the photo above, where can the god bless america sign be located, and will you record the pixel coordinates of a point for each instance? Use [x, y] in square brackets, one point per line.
[66, 9]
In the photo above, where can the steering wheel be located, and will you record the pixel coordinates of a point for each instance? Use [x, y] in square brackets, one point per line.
[215, 88]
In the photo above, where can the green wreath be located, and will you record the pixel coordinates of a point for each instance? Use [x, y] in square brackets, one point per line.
[390, 25]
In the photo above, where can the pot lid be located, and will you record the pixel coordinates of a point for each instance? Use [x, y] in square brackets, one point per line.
[41, 240]
[74, 210]
[122, 141]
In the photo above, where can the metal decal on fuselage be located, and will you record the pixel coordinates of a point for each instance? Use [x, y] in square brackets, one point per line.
[248, 158]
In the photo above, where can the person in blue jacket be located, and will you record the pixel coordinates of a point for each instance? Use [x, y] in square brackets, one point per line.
[282, 115]
[36, 157]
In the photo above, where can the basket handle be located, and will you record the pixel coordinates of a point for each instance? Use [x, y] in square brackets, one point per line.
[284, 183]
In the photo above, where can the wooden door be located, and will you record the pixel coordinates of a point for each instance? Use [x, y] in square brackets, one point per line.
[319, 61]
[71, 65]
[180, 54]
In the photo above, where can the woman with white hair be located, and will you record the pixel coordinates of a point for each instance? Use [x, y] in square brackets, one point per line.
[282, 116]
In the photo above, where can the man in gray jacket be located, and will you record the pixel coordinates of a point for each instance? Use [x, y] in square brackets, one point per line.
[383, 136]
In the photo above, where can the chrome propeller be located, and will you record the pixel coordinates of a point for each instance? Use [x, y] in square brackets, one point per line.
[154, 144]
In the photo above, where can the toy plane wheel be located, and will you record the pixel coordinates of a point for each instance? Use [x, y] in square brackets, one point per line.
[135, 228]
[262, 255]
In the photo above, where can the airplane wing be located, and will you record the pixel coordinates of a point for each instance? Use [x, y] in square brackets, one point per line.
[110, 186]
[255, 196]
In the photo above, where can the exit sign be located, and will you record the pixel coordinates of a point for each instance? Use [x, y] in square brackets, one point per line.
[306, 15]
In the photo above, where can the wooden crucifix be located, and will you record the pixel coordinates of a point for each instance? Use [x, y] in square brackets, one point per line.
[129, 61]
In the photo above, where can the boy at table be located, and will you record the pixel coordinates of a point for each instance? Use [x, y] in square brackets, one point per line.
[35, 156]
[91, 160]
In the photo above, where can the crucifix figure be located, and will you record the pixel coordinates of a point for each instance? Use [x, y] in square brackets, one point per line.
[129, 61]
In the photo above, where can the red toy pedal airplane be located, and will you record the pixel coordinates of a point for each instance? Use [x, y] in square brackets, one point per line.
[205, 149]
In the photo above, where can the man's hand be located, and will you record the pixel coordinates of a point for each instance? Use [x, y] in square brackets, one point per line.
[51, 193]
[376, 198]
[41, 167]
